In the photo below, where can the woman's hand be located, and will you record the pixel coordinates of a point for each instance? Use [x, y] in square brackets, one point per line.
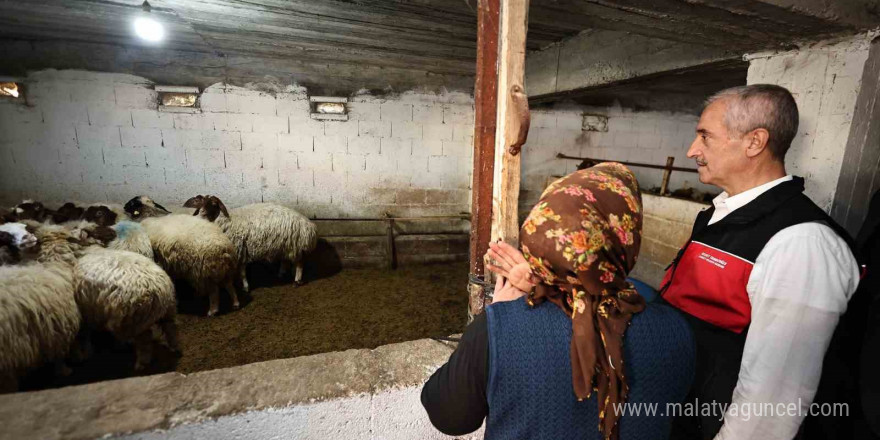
[505, 291]
[511, 265]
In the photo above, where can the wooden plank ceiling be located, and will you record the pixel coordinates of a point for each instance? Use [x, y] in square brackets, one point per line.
[427, 41]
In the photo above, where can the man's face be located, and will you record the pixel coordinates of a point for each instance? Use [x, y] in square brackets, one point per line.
[719, 158]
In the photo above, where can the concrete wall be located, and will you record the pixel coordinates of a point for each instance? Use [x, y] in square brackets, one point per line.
[98, 137]
[825, 79]
[644, 137]
[354, 394]
[667, 226]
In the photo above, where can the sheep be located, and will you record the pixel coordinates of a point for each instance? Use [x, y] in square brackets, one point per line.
[126, 293]
[261, 232]
[14, 238]
[30, 210]
[39, 319]
[189, 248]
[66, 213]
[130, 236]
[6, 215]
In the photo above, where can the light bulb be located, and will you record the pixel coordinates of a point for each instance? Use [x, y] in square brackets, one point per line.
[148, 29]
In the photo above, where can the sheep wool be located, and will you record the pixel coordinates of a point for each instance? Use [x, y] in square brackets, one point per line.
[191, 248]
[39, 319]
[130, 236]
[268, 232]
[122, 292]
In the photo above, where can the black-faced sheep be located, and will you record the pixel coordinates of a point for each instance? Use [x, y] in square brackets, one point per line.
[30, 210]
[130, 236]
[189, 248]
[261, 232]
[66, 213]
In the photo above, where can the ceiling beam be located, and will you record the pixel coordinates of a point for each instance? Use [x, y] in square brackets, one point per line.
[328, 76]
[598, 58]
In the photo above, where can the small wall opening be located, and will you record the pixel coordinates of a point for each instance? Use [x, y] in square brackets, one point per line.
[11, 90]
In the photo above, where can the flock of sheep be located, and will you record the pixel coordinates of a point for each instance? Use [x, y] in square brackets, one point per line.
[107, 267]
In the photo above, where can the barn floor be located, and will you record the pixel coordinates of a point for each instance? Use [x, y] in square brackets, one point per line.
[354, 308]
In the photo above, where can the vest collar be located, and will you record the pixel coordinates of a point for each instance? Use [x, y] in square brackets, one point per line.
[761, 205]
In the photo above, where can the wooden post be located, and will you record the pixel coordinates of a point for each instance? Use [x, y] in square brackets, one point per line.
[664, 187]
[511, 81]
[392, 257]
[485, 110]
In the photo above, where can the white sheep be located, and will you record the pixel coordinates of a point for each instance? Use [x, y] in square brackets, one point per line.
[39, 319]
[261, 232]
[126, 293]
[189, 248]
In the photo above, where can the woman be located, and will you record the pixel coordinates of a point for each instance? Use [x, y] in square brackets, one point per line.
[565, 323]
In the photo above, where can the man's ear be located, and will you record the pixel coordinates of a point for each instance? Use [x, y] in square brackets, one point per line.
[757, 139]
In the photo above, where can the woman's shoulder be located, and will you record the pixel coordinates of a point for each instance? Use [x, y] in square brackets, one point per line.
[661, 353]
[661, 323]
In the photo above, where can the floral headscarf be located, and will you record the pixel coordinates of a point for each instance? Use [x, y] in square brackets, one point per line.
[581, 240]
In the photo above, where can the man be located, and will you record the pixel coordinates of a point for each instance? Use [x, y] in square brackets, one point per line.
[763, 279]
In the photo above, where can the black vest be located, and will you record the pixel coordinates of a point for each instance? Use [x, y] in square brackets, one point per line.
[721, 325]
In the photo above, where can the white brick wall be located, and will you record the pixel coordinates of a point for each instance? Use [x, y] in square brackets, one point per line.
[90, 136]
[643, 137]
[825, 81]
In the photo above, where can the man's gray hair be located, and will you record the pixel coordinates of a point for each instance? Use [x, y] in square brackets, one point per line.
[766, 106]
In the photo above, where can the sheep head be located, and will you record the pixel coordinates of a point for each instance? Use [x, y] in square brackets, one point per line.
[142, 207]
[67, 212]
[18, 235]
[96, 234]
[30, 210]
[100, 215]
[196, 202]
[208, 207]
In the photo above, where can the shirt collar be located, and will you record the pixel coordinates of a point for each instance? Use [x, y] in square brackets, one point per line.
[732, 203]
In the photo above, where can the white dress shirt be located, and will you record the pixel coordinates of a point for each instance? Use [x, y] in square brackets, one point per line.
[798, 288]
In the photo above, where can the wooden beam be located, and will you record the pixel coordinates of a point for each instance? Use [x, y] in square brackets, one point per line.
[511, 81]
[667, 171]
[485, 109]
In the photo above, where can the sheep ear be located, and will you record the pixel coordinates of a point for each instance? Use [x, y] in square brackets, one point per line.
[223, 208]
[161, 207]
[6, 239]
[198, 210]
[195, 202]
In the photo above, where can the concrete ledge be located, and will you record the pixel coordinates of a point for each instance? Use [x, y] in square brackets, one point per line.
[679, 210]
[167, 400]
[352, 252]
[667, 226]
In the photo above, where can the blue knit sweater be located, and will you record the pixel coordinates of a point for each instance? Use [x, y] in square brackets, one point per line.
[530, 391]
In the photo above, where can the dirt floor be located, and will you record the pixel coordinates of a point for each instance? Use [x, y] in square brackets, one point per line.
[354, 308]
